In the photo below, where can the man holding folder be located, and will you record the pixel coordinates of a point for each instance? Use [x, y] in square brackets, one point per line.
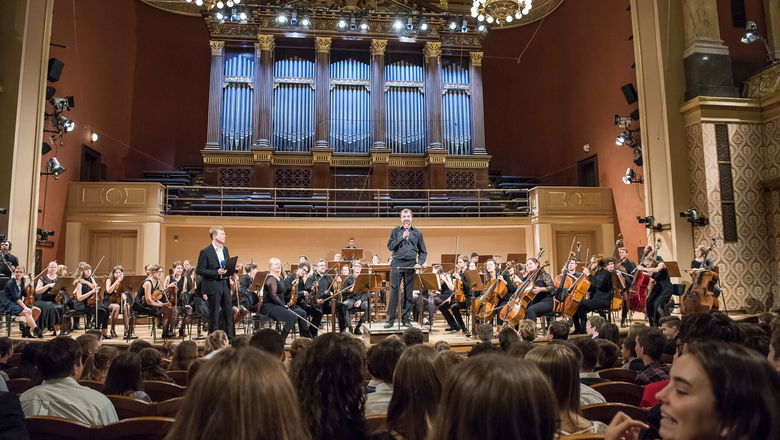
[213, 267]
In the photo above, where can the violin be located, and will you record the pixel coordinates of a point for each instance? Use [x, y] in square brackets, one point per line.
[29, 297]
[458, 294]
[294, 295]
[700, 297]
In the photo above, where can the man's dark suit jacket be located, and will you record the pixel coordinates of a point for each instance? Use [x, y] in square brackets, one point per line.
[208, 264]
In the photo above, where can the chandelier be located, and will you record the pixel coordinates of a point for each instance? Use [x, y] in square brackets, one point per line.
[500, 12]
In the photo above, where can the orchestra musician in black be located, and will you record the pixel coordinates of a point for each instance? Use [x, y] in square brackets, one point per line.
[409, 253]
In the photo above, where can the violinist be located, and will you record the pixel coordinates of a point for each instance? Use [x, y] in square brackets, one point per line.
[151, 300]
[326, 287]
[699, 263]
[662, 290]
[11, 302]
[239, 310]
[452, 306]
[113, 283]
[197, 299]
[85, 288]
[543, 302]
[307, 299]
[182, 282]
[599, 272]
[277, 294]
[46, 300]
[624, 264]
[356, 301]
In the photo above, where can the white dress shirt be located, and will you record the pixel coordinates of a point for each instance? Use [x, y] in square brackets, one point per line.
[220, 252]
[589, 396]
[378, 401]
[65, 398]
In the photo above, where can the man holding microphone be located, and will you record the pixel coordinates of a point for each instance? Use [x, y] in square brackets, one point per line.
[215, 284]
[408, 247]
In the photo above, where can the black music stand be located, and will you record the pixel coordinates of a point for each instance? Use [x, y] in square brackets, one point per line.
[131, 283]
[517, 258]
[474, 280]
[364, 283]
[230, 265]
[350, 254]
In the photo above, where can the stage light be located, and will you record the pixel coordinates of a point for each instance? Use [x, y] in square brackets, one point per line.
[453, 25]
[220, 5]
[94, 137]
[364, 25]
[199, 2]
[751, 33]
[305, 21]
[630, 178]
[229, 3]
[44, 234]
[294, 19]
[342, 24]
[54, 168]
[242, 16]
[398, 24]
[62, 104]
[220, 16]
[423, 25]
[622, 138]
[481, 28]
[281, 18]
[692, 216]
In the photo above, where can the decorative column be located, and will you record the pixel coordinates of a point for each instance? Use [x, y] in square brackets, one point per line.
[772, 14]
[477, 106]
[378, 92]
[322, 91]
[705, 58]
[433, 96]
[264, 89]
[215, 94]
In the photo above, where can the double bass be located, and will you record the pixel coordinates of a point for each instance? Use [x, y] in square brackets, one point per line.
[700, 297]
[637, 293]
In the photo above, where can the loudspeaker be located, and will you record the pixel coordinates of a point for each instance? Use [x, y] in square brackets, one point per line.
[45, 148]
[55, 69]
[630, 93]
[50, 91]
[634, 115]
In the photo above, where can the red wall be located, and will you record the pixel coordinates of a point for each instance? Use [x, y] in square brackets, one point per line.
[561, 95]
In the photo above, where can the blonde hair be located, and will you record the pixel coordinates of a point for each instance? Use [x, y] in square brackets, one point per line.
[215, 341]
[214, 229]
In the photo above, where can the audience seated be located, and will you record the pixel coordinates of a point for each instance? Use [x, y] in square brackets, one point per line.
[269, 341]
[214, 342]
[193, 370]
[89, 344]
[482, 348]
[519, 349]
[588, 396]
[412, 336]
[593, 325]
[382, 359]
[447, 361]
[240, 341]
[649, 348]
[6, 351]
[528, 330]
[298, 345]
[506, 337]
[124, 377]
[441, 346]
[97, 365]
[754, 337]
[590, 357]
[60, 395]
[610, 332]
[138, 345]
[485, 332]
[185, 354]
[558, 330]
[628, 352]
[328, 378]
[608, 354]
[495, 397]
[151, 365]
[670, 326]
[241, 394]
[28, 361]
[562, 368]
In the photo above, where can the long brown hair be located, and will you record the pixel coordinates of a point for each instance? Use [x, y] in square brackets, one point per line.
[240, 394]
[417, 385]
[185, 354]
[495, 397]
[561, 365]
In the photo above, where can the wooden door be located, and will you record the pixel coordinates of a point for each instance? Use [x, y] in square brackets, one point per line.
[116, 248]
[563, 240]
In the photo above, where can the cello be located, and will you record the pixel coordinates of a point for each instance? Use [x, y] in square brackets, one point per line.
[485, 304]
[619, 285]
[637, 293]
[514, 310]
[579, 290]
[564, 281]
[700, 297]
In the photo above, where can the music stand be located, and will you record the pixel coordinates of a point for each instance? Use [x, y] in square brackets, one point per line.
[425, 281]
[474, 280]
[448, 258]
[517, 258]
[379, 273]
[351, 254]
[673, 268]
[258, 281]
[334, 267]
[230, 265]
[131, 283]
[483, 258]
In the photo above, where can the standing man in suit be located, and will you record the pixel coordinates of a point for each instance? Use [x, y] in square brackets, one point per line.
[409, 253]
[215, 284]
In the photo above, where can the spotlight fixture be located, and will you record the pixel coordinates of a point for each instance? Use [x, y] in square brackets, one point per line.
[44, 234]
[364, 25]
[650, 223]
[452, 25]
[305, 21]
[630, 177]
[294, 19]
[751, 33]
[62, 104]
[398, 24]
[423, 26]
[342, 23]
[621, 121]
[54, 168]
[94, 137]
[692, 216]
[61, 123]
[622, 137]
[464, 27]
[282, 18]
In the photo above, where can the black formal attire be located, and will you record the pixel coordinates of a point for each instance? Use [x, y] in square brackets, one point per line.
[11, 294]
[543, 302]
[248, 298]
[452, 309]
[11, 418]
[217, 289]
[670, 347]
[354, 297]
[183, 299]
[437, 301]
[658, 299]
[305, 303]
[101, 321]
[600, 297]
[200, 306]
[51, 312]
[629, 267]
[406, 253]
[5, 270]
[324, 290]
[276, 296]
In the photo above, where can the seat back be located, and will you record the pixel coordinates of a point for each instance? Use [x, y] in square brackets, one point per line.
[136, 428]
[619, 374]
[582, 437]
[95, 385]
[160, 391]
[20, 385]
[169, 408]
[375, 423]
[180, 376]
[128, 407]
[55, 428]
[604, 412]
[620, 392]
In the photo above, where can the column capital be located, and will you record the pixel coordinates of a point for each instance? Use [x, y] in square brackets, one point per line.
[432, 49]
[217, 47]
[476, 58]
[266, 42]
[323, 44]
[378, 47]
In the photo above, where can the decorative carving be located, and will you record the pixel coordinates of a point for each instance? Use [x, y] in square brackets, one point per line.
[457, 179]
[378, 47]
[476, 58]
[432, 49]
[217, 47]
[293, 178]
[258, 50]
[459, 39]
[764, 84]
[234, 177]
[323, 44]
[227, 158]
[406, 180]
[266, 42]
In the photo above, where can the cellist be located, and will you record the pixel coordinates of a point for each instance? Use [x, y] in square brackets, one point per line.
[543, 302]
[625, 264]
[599, 272]
[662, 290]
[453, 306]
[699, 263]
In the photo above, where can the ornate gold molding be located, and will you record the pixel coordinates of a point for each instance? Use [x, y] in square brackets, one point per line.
[476, 58]
[570, 202]
[727, 110]
[292, 160]
[379, 156]
[258, 50]
[408, 161]
[217, 47]
[432, 49]
[482, 161]
[350, 161]
[227, 157]
[378, 47]
[764, 83]
[323, 44]
[266, 42]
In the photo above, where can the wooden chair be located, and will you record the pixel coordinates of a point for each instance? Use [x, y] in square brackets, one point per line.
[168, 408]
[95, 385]
[20, 385]
[137, 428]
[375, 423]
[128, 407]
[581, 437]
[180, 376]
[11, 372]
[160, 391]
[618, 374]
[620, 392]
[604, 412]
[55, 428]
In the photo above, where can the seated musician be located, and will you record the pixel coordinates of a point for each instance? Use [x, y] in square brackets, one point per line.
[327, 286]
[624, 264]
[239, 310]
[249, 298]
[662, 289]
[492, 272]
[699, 263]
[600, 292]
[198, 302]
[85, 288]
[451, 307]
[151, 300]
[277, 295]
[351, 243]
[307, 297]
[436, 299]
[355, 301]
[113, 283]
[182, 283]
[11, 301]
[572, 274]
[46, 300]
[543, 301]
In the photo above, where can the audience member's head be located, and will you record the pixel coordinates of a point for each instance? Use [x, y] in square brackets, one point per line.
[610, 332]
[593, 324]
[138, 345]
[58, 358]
[97, 364]
[382, 358]
[590, 353]
[194, 367]
[702, 327]
[712, 386]
[558, 330]
[561, 365]
[441, 346]
[448, 360]
[124, 375]
[241, 341]
[412, 336]
[608, 354]
[269, 341]
[28, 360]
[629, 344]
[6, 349]
[650, 344]
[298, 345]
[185, 354]
[528, 330]
[506, 337]
[519, 349]
[670, 326]
[151, 365]
[485, 332]
[328, 377]
[89, 345]
[752, 336]
[483, 348]
[241, 394]
[774, 350]
[217, 340]
[417, 385]
[496, 397]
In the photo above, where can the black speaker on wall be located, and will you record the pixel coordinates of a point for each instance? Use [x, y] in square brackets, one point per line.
[55, 69]
[630, 93]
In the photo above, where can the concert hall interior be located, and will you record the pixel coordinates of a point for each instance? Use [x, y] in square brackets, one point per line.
[155, 150]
